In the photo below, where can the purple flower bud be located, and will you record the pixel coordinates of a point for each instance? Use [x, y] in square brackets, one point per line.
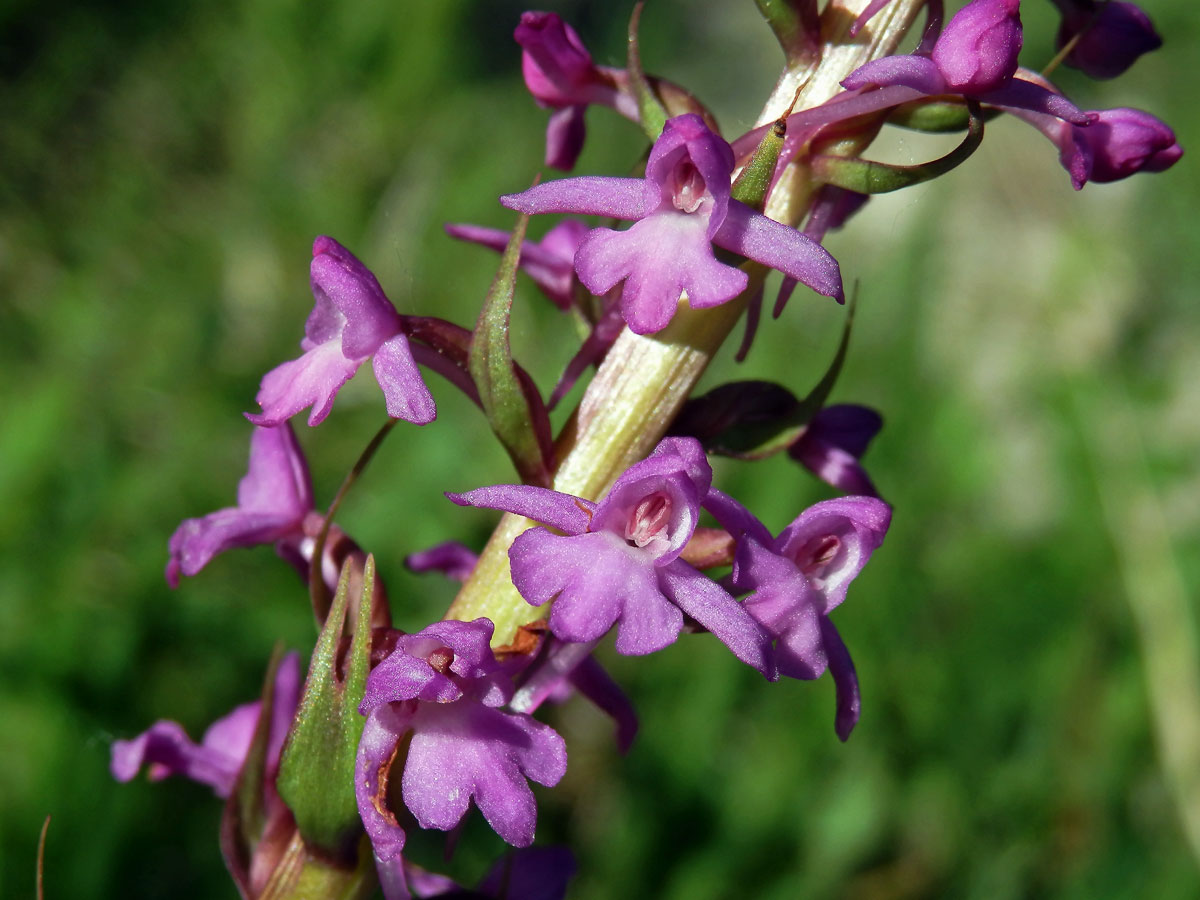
[1111, 36]
[557, 67]
[1125, 141]
[979, 47]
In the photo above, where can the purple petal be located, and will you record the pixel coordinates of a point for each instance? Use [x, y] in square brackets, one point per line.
[1111, 37]
[1021, 94]
[470, 641]
[462, 751]
[377, 748]
[833, 465]
[402, 676]
[598, 195]
[590, 679]
[277, 480]
[774, 244]
[565, 134]
[284, 701]
[867, 15]
[654, 506]
[706, 602]
[685, 452]
[786, 606]
[857, 526]
[554, 60]
[562, 511]
[339, 278]
[535, 873]
[978, 48]
[687, 140]
[845, 680]
[595, 580]
[735, 518]
[196, 541]
[916, 72]
[168, 750]
[658, 258]
[312, 380]
[549, 262]
[453, 559]
[846, 425]
[1125, 141]
[404, 391]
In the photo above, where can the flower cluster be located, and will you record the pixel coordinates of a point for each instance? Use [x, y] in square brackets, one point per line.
[395, 731]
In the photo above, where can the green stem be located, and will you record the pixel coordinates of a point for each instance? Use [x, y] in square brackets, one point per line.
[645, 379]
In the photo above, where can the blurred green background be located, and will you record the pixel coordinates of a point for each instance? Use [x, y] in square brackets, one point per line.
[1024, 638]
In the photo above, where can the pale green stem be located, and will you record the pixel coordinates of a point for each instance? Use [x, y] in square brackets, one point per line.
[645, 379]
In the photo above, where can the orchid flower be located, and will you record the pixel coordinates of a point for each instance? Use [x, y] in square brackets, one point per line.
[442, 686]
[1109, 36]
[352, 321]
[800, 577]
[680, 210]
[617, 562]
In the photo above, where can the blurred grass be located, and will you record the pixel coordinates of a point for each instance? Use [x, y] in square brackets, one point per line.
[163, 170]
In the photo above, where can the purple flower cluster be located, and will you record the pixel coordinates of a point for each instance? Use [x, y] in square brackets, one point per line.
[439, 721]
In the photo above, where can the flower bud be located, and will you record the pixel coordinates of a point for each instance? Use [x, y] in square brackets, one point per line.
[978, 50]
[1110, 39]
[1126, 141]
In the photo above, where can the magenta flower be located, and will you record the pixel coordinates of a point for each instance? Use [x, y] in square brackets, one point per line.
[1112, 35]
[273, 500]
[442, 686]
[617, 561]
[560, 74]
[550, 262]
[832, 444]
[680, 210]
[1119, 143]
[533, 873]
[800, 577]
[976, 57]
[352, 321]
[216, 761]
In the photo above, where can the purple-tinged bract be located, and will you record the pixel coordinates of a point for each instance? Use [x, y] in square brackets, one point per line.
[352, 321]
[680, 210]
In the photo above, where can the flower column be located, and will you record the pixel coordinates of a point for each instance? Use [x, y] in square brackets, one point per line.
[645, 379]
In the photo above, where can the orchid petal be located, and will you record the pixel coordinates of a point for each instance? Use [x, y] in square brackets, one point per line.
[774, 244]
[562, 511]
[404, 391]
[599, 195]
[565, 134]
[1021, 94]
[710, 605]
[312, 380]
[377, 749]
[845, 680]
[916, 72]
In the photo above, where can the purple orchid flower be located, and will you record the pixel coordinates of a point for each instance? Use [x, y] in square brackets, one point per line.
[834, 442]
[550, 262]
[274, 499]
[975, 57]
[353, 320]
[680, 210]
[560, 74]
[216, 761]
[443, 686]
[617, 561]
[800, 577]
[1120, 142]
[1111, 35]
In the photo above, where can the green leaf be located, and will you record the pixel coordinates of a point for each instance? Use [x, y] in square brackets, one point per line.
[316, 773]
[512, 406]
[869, 177]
